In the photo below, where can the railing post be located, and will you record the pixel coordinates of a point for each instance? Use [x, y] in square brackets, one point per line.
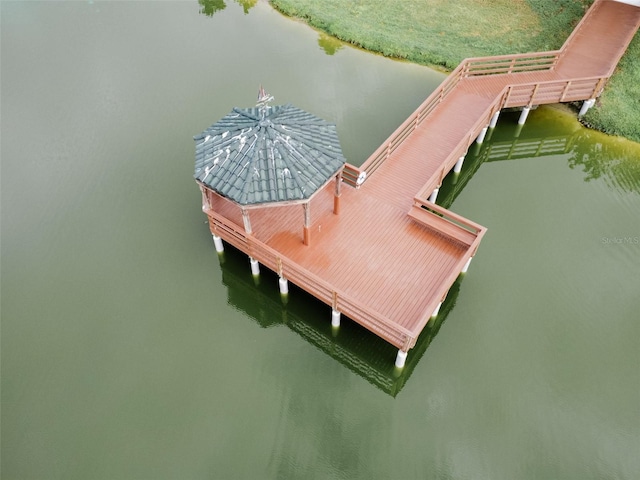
[564, 92]
[506, 100]
[533, 94]
[598, 90]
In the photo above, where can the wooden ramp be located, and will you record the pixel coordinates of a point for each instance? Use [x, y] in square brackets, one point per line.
[388, 259]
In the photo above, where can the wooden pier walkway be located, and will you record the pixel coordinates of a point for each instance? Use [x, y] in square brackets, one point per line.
[388, 259]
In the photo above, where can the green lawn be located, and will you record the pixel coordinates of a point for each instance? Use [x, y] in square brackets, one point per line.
[441, 33]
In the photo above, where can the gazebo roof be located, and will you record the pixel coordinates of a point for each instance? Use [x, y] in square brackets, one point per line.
[268, 154]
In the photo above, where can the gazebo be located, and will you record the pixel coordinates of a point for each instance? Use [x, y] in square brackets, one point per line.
[269, 155]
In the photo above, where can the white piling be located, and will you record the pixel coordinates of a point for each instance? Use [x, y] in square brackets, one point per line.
[335, 318]
[586, 106]
[524, 115]
[466, 265]
[217, 241]
[401, 358]
[255, 267]
[437, 310]
[483, 134]
[284, 285]
[494, 119]
[434, 195]
[458, 166]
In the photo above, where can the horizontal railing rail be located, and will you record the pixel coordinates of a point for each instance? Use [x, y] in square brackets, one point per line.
[352, 175]
[506, 64]
[553, 91]
[451, 217]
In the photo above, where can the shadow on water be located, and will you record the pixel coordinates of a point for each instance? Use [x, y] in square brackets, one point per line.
[353, 346]
[210, 7]
[614, 160]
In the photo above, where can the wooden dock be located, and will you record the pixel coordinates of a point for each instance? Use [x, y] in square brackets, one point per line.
[388, 259]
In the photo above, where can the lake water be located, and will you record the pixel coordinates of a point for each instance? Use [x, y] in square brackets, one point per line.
[130, 350]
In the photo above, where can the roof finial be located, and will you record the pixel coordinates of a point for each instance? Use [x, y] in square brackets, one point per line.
[263, 98]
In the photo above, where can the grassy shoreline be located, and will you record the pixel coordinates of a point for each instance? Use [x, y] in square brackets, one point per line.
[440, 34]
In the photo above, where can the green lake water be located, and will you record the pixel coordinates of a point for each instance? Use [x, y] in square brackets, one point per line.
[130, 350]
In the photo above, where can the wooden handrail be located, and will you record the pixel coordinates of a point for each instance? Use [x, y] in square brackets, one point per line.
[383, 152]
[524, 62]
[453, 218]
[322, 290]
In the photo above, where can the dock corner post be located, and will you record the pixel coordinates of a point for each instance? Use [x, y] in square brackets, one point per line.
[401, 358]
[217, 241]
[524, 115]
[587, 104]
[458, 166]
[434, 195]
[466, 265]
[494, 119]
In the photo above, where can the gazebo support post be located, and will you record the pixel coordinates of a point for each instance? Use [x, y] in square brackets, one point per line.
[336, 197]
[246, 220]
[307, 224]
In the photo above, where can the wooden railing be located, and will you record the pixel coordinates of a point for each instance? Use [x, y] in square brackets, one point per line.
[353, 176]
[383, 152]
[506, 64]
[458, 228]
[553, 91]
[322, 290]
[514, 96]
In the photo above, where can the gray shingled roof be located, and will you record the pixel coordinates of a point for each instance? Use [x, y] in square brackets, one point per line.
[269, 154]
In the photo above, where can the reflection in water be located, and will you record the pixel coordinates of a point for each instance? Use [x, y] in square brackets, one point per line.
[329, 44]
[615, 160]
[353, 346]
[210, 7]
